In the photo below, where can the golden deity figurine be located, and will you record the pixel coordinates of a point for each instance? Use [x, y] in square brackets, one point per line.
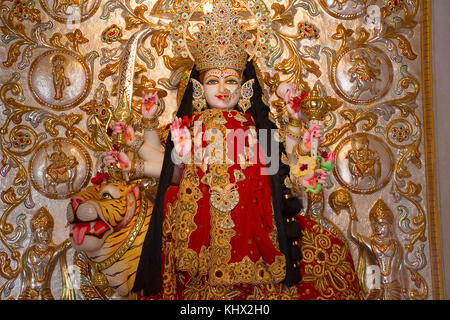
[60, 81]
[40, 258]
[363, 162]
[62, 6]
[62, 169]
[383, 249]
[364, 74]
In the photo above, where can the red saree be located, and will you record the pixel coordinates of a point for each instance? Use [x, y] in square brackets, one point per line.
[219, 234]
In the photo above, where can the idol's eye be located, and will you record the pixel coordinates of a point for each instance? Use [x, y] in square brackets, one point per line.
[212, 81]
[232, 81]
[106, 196]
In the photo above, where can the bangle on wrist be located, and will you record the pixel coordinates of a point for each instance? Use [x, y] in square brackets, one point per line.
[136, 145]
[137, 168]
[294, 122]
[150, 123]
[293, 135]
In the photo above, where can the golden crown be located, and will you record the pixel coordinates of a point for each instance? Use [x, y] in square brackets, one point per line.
[380, 211]
[42, 219]
[221, 40]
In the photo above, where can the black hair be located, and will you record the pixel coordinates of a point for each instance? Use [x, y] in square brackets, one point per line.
[149, 271]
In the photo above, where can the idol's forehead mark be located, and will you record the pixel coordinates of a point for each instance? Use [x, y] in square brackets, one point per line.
[222, 73]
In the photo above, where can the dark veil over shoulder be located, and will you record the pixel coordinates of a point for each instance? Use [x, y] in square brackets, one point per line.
[149, 271]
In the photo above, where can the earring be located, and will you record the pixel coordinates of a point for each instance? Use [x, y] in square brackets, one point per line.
[199, 102]
[246, 94]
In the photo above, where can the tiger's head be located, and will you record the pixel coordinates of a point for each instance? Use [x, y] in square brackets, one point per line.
[98, 211]
[108, 223]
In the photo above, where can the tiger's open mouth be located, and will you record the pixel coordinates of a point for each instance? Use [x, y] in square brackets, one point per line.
[79, 230]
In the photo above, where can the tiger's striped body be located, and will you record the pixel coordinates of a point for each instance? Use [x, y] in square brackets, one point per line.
[108, 224]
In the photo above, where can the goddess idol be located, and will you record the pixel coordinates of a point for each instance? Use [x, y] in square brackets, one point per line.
[224, 224]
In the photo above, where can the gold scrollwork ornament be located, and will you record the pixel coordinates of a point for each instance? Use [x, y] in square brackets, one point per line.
[70, 11]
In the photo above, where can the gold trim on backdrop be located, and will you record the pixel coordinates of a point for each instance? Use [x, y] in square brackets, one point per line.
[430, 152]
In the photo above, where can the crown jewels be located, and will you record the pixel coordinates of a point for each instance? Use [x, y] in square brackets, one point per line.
[222, 39]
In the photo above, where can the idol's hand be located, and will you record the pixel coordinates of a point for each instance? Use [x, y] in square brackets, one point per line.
[112, 157]
[181, 137]
[312, 179]
[118, 128]
[293, 99]
[321, 176]
[150, 104]
[316, 132]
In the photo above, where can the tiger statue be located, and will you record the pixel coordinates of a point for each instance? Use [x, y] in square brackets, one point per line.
[108, 223]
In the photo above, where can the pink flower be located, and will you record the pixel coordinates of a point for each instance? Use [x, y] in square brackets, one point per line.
[181, 135]
[293, 98]
[149, 101]
[129, 135]
[125, 163]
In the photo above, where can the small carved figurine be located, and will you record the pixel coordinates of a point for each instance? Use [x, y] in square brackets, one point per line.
[62, 169]
[40, 258]
[60, 81]
[363, 162]
[383, 249]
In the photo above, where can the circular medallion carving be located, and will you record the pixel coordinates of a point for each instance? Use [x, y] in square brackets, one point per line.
[345, 9]
[364, 163]
[59, 79]
[362, 75]
[70, 11]
[60, 168]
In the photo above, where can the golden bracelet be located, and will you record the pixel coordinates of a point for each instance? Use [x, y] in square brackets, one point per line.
[140, 166]
[136, 145]
[293, 135]
[150, 123]
[137, 168]
[294, 122]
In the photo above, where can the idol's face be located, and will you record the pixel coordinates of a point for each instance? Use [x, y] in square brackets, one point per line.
[42, 236]
[381, 228]
[222, 88]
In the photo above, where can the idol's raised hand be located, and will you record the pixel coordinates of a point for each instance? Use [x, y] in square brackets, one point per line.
[118, 128]
[113, 157]
[150, 104]
[293, 98]
[314, 132]
[181, 136]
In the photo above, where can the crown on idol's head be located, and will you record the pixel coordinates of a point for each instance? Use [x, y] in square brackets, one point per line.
[221, 42]
[380, 211]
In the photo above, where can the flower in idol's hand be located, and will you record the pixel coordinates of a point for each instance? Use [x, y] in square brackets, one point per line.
[150, 102]
[304, 166]
[181, 136]
[125, 162]
[327, 161]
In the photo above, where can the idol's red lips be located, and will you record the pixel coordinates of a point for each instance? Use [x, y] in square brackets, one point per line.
[222, 96]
